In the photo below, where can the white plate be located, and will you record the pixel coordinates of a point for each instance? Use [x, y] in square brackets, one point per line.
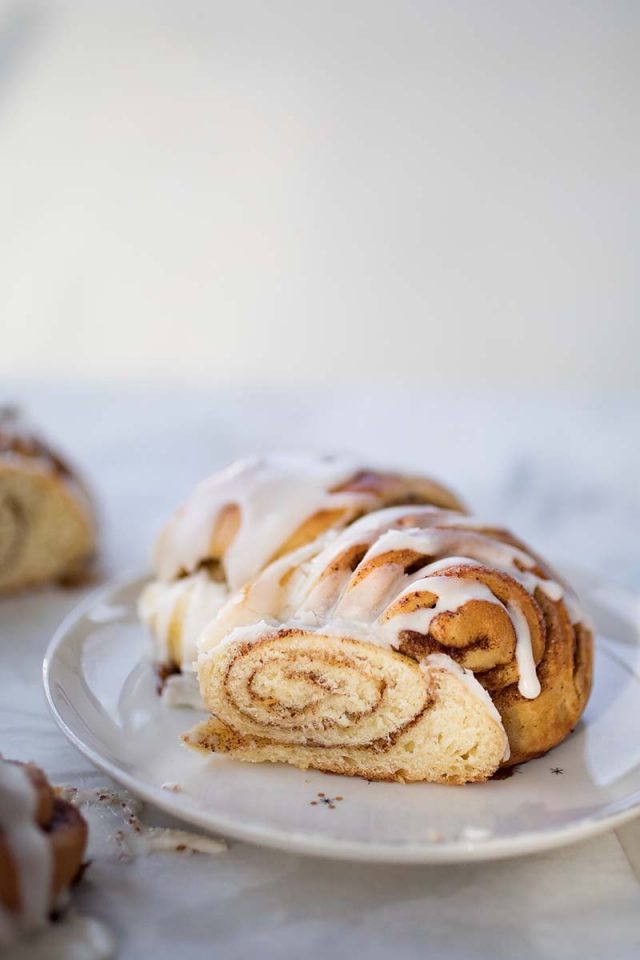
[101, 688]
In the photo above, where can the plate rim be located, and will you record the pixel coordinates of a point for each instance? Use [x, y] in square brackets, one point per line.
[452, 851]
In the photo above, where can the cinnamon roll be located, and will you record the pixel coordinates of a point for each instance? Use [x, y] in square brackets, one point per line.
[333, 700]
[244, 517]
[43, 841]
[348, 645]
[47, 521]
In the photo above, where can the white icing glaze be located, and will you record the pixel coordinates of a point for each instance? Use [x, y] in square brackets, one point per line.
[195, 600]
[452, 593]
[500, 556]
[265, 595]
[476, 546]
[575, 611]
[366, 599]
[555, 591]
[275, 495]
[366, 530]
[30, 852]
[528, 683]
[312, 589]
[313, 598]
[451, 529]
[247, 633]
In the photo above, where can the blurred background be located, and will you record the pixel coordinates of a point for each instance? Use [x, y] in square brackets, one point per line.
[405, 229]
[328, 191]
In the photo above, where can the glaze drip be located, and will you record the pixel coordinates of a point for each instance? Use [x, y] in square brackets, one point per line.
[357, 579]
[274, 496]
[30, 852]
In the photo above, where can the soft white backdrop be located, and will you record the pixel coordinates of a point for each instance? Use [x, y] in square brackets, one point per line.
[443, 192]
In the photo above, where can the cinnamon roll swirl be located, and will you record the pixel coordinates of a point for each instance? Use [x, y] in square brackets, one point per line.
[417, 583]
[246, 516]
[325, 699]
[47, 522]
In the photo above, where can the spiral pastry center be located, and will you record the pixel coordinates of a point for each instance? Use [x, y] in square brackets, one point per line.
[300, 687]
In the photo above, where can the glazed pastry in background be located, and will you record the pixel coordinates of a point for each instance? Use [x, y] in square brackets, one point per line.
[247, 515]
[47, 522]
[405, 649]
[42, 846]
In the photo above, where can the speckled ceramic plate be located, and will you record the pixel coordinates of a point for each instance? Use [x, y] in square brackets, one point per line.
[101, 688]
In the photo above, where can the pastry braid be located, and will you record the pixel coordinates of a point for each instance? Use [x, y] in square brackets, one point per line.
[307, 661]
[47, 524]
[244, 517]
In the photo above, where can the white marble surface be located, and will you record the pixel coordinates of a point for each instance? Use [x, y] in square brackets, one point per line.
[562, 469]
